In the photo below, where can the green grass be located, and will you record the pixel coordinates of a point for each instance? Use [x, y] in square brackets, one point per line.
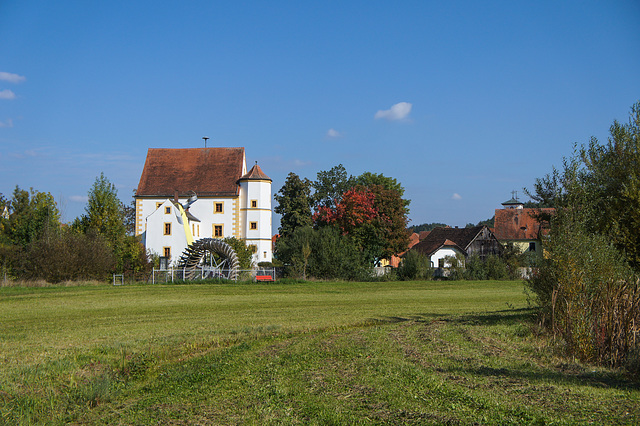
[312, 353]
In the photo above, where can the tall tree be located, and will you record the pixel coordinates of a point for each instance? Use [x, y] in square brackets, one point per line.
[106, 216]
[323, 253]
[104, 213]
[601, 183]
[369, 179]
[29, 213]
[374, 217]
[330, 185]
[294, 204]
[129, 214]
[586, 284]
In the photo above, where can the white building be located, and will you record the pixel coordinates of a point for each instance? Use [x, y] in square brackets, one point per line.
[231, 201]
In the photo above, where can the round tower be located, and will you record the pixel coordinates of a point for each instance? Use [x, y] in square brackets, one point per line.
[255, 212]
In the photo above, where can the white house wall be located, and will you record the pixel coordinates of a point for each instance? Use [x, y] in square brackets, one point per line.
[157, 241]
[259, 191]
[441, 254]
[235, 219]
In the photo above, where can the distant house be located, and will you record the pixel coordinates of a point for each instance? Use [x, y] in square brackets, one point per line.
[231, 201]
[396, 259]
[521, 227]
[443, 242]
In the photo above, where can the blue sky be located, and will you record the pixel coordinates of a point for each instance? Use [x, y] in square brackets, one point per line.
[461, 101]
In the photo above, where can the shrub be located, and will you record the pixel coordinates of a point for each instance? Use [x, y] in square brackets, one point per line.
[65, 255]
[322, 253]
[415, 266]
[588, 294]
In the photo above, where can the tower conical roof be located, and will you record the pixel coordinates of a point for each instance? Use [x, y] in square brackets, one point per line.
[255, 173]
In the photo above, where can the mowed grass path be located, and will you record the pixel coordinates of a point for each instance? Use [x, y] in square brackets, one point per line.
[323, 353]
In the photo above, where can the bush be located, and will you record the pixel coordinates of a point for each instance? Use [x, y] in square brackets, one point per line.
[322, 253]
[588, 294]
[415, 266]
[65, 255]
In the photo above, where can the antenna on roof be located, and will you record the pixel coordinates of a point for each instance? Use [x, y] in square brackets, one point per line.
[205, 141]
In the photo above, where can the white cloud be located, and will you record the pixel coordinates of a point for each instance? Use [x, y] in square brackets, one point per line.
[7, 94]
[456, 196]
[399, 111]
[333, 134]
[79, 198]
[7, 123]
[11, 78]
[301, 163]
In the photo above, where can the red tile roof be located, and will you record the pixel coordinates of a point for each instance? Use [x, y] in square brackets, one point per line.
[255, 173]
[205, 171]
[424, 234]
[520, 224]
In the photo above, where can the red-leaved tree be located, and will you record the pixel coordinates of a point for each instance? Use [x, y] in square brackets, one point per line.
[374, 217]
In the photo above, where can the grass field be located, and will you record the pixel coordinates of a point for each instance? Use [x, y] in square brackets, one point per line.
[312, 353]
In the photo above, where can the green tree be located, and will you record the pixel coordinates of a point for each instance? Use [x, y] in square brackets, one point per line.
[601, 182]
[585, 284]
[107, 216]
[29, 215]
[323, 253]
[65, 255]
[369, 179]
[104, 213]
[129, 214]
[374, 217]
[294, 204]
[426, 227]
[290, 251]
[244, 253]
[330, 185]
[415, 266]
[335, 256]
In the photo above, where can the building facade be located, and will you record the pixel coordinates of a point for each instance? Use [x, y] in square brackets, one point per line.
[231, 202]
[522, 228]
[443, 242]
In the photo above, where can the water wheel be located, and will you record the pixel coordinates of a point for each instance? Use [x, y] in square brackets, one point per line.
[209, 258]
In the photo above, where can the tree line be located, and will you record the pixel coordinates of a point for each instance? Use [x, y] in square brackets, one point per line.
[339, 226]
[35, 245]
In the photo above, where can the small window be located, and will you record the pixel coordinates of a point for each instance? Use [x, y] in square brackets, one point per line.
[253, 248]
[167, 229]
[217, 230]
[532, 246]
[264, 254]
[254, 204]
[167, 252]
[167, 210]
[253, 225]
[218, 208]
[441, 262]
[158, 205]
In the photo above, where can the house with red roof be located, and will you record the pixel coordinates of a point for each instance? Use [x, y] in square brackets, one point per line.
[520, 227]
[231, 201]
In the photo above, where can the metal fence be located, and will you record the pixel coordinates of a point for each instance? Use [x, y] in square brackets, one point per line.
[161, 276]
